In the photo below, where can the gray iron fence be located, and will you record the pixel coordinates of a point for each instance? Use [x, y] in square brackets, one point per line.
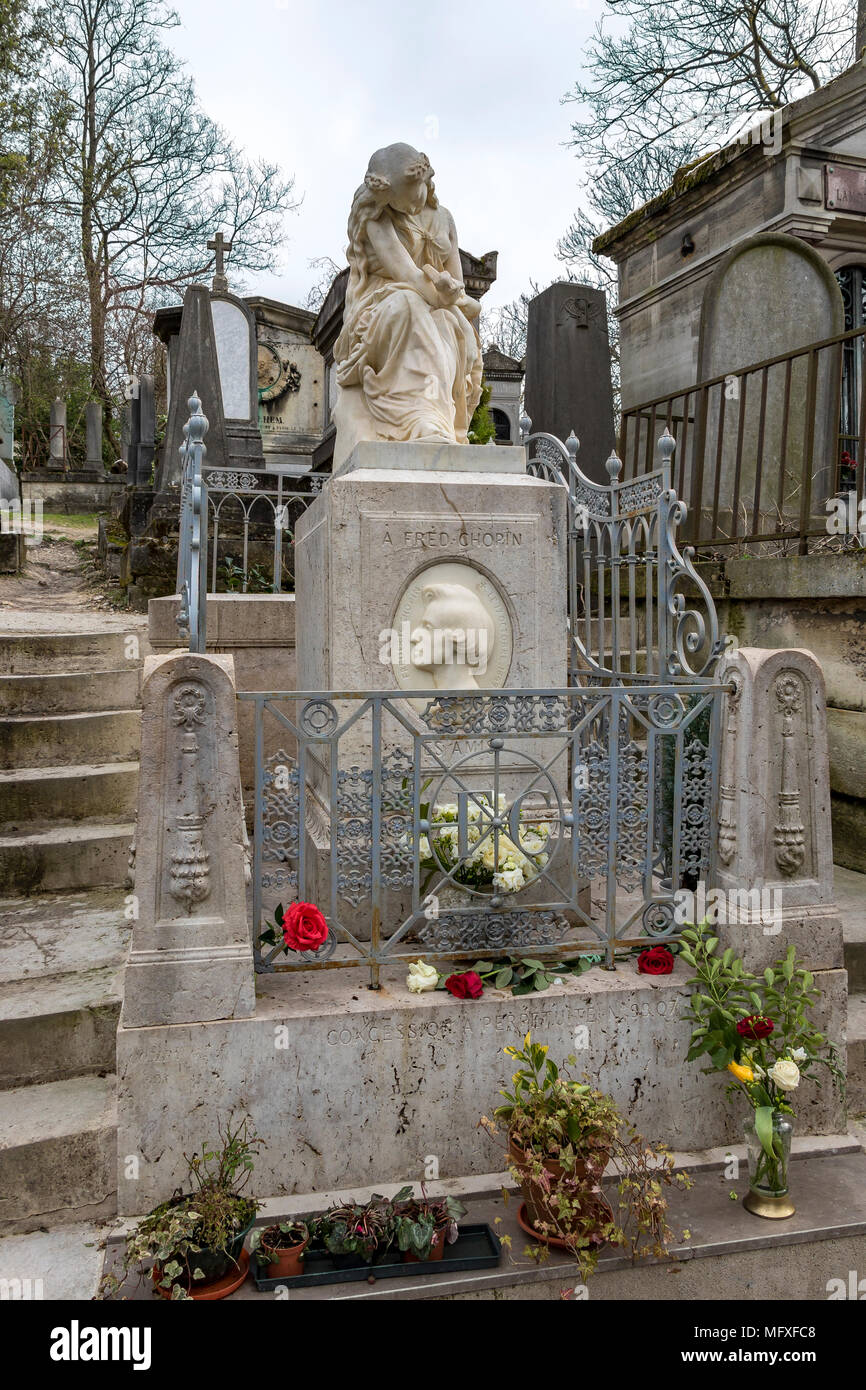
[252, 514]
[638, 608]
[761, 449]
[550, 821]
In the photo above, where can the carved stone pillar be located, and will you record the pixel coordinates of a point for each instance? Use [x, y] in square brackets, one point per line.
[774, 847]
[190, 958]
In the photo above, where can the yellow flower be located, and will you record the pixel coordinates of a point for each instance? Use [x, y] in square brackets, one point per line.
[526, 1040]
[740, 1072]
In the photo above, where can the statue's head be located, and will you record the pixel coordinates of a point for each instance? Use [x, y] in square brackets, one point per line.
[398, 177]
[401, 177]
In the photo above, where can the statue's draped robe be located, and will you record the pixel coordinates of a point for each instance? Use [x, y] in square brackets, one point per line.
[406, 371]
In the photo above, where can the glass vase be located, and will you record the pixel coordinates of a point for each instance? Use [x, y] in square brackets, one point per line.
[768, 1174]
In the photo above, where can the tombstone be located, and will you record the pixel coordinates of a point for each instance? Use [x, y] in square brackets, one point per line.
[141, 467]
[93, 415]
[770, 295]
[568, 381]
[57, 453]
[236, 345]
[196, 373]
[8, 399]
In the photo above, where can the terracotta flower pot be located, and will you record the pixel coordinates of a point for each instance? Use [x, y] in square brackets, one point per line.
[216, 1265]
[284, 1261]
[540, 1212]
[437, 1249]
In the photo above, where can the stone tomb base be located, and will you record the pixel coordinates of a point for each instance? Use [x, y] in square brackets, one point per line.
[353, 1087]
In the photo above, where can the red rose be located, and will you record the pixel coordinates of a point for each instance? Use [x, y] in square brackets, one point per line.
[467, 985]
[755, 1026]
[656, 960]
[304, 927]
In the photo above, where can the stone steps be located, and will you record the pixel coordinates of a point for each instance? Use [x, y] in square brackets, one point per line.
[49, 652]
[70, 692]
[36, 796]
[110, 736]
[60, 968]
[79, 854]
[58, 1159]
[69, 740]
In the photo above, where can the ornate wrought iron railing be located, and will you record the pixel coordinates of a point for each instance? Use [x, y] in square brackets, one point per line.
[405, 819]
[761, 449]
[638, 609]
[192, 542]
[258, 508]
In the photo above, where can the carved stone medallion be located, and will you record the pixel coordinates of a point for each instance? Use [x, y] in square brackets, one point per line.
[451, 631]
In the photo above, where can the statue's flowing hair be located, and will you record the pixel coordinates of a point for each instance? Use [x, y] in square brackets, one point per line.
[371, 200]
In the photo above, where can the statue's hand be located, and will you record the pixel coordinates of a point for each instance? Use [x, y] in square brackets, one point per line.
[447, 288]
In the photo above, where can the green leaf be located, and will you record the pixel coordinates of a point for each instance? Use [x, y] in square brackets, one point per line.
[503, 977]
[542, 980]
[764, 1128]
[481, 967]
[535, 964]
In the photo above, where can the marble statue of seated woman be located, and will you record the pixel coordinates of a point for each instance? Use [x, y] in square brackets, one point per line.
[408, 359]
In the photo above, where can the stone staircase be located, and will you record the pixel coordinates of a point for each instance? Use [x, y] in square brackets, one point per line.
[69, 733]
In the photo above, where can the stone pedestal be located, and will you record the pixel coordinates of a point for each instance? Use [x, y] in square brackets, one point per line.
[352, 1087]
[775, 852]
[190, 959]
[390, 515]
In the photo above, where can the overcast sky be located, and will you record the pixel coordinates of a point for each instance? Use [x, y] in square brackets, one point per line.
[317, 85]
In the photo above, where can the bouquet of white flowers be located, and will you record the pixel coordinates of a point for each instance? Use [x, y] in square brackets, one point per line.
[491, 858]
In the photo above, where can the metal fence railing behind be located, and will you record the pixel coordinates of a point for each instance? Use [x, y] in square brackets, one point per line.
[761, 449]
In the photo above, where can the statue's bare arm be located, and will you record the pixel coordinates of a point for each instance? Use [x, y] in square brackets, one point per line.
[396, 261]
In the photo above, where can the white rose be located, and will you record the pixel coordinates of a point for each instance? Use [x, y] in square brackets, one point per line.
[424, 848]
[421, 977]
[532, 844]
[785, 1073]
[509, 879]
[800, 1054]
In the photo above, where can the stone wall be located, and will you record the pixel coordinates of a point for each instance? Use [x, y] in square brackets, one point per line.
[350, 1087]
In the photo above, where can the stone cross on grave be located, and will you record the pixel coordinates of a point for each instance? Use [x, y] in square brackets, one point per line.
[220, 246]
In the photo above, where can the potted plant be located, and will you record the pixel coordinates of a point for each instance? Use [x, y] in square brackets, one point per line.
[425, 1225]
[281, 1248]
[196, 1238]
[757, 1029]
[355, 1233]
[561, 1135]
